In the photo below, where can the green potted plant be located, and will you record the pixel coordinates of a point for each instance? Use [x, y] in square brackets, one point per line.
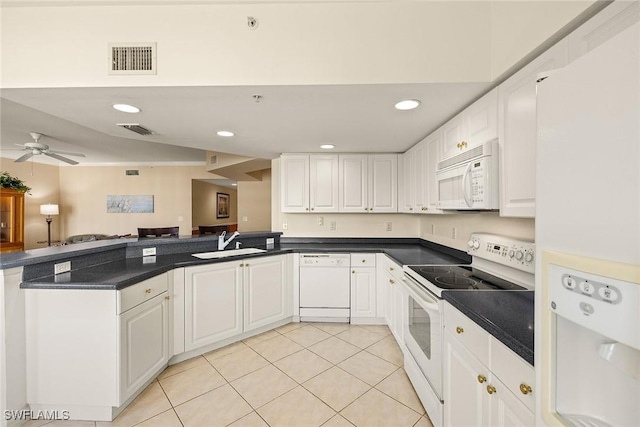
[13, 183]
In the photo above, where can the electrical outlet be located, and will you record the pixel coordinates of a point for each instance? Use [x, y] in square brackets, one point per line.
[454, 233]
[148, 251]
[149, 259]
[285, 226]
[320, 220]
[245, 218]
[433, 229]
[270, 242]
[389, 226]
[333, 226]
[62, 267]
[180, 218]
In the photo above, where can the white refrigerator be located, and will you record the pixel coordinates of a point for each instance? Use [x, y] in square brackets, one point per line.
[587, 348]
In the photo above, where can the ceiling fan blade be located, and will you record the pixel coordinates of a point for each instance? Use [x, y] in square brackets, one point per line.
[20, 145]
[62, 159]
[67, 153]
[23, 158]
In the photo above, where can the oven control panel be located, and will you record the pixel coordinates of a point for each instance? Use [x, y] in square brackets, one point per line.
[518, 254]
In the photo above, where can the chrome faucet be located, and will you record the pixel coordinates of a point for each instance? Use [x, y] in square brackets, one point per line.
[222, 243]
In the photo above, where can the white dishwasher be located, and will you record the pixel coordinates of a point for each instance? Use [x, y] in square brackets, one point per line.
[325, 282]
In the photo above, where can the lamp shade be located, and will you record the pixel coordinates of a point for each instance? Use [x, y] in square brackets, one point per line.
[49, 209]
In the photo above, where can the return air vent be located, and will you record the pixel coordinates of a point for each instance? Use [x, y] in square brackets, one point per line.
[135, 127]
[213, 160]
[132, 58]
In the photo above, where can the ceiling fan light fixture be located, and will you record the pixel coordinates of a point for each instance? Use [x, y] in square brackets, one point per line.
[327, 146]
[126, 108]
[225, 133]
[407, 104]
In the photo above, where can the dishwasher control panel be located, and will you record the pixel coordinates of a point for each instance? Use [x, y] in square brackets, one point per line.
[325, 260]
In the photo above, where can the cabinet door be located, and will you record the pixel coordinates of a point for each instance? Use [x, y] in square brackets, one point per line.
[466, 399]
[353, 180]
[405, 187]
[482, 120]
[323, 183]
[383, 183]
[433, 148]
[363, 292]
[294, 183]
[453, 134]
[507, 410]
[144, 344]
[518, 134]
[420, 178]
[213, 303]
[267, 293]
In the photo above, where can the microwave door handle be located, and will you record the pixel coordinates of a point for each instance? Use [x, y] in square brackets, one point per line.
[466, 179]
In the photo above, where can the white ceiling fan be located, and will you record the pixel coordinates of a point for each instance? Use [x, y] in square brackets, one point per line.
[35, 148]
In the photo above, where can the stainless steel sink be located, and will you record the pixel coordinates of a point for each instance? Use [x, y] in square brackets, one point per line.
[225, 254]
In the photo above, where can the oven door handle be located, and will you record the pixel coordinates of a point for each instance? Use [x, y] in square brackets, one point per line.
[426, 301]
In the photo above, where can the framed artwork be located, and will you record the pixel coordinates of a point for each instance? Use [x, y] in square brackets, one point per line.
[222, 205]
[129, 204]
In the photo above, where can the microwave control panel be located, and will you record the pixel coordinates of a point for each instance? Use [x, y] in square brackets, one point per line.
[477, 182]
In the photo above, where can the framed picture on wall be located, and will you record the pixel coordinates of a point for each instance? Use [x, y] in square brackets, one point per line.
[222, 205]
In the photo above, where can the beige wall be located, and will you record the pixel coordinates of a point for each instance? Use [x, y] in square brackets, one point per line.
[44, 182]
[83, 192]
[254, 204]
[203, 204]
[467, 223]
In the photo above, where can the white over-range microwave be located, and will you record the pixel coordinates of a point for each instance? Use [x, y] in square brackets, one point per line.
[469, 180]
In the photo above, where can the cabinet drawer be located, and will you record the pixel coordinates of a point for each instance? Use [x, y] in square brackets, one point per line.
[516, 374]
[141, 292]
[468, 332]
[392, 268]
[363, 260]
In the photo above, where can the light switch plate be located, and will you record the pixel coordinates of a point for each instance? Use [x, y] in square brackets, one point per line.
[62, 267]
[148, 251]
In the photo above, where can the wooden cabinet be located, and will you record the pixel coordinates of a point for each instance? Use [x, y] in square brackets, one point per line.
[368, 183]
[477, 124]
[518, 133]
[11, 221]
[226, 299]
[485, 383]
[363, 286]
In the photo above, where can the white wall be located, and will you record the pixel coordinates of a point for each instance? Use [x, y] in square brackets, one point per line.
[295, 43]
[254, 203]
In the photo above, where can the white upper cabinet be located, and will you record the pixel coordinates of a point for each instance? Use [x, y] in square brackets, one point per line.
[294, 183]
[615, 18]
[368, 183]
[433, 148]
[383, 183]
[420, 178]
[517, 133]
[323, 182]
[406, 181]
[475, 125]
[354, 181]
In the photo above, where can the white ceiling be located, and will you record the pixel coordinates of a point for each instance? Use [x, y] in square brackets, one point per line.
[355, 118]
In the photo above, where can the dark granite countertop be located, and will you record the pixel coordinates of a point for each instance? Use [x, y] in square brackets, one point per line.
[507, 315]
[120, 273]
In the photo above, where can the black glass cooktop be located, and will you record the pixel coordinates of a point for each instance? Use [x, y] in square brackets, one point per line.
[463, 277]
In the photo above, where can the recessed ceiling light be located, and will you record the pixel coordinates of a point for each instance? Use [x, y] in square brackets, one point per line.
[234, 184]
[327, 146]
[225, 133]
[126, 108]
[408, 104]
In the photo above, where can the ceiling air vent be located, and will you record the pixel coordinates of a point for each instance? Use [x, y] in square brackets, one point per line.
[132, 58]
[135, 127]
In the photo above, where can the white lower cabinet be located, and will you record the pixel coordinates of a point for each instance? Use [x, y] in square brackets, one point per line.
[90, 351]
[363, 286]
[144, 343]
[485, 383]
[226, 299]
[393, 300]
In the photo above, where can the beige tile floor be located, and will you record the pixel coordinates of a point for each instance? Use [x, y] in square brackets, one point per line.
[301, 374]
